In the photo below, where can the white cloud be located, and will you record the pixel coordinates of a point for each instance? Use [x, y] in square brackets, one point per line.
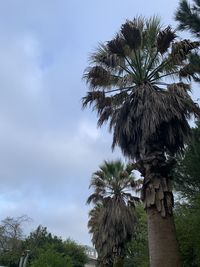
[89, 130]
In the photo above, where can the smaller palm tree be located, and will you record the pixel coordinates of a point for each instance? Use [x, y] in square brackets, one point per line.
[112, 220]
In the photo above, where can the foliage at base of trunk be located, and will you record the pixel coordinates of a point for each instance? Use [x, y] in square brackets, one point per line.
[137, 249]
[187, 218]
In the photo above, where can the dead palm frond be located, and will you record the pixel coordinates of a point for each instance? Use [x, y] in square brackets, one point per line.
[128, 85]
[112, 220]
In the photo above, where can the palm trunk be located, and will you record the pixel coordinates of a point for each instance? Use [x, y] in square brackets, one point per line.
[158, 201]
[163, 248]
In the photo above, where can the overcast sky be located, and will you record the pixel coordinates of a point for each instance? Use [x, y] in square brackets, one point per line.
[49, 147]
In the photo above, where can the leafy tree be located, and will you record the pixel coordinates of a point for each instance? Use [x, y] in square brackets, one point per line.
[112, 221]
[187, 183]
[188, 17]
[11, 240]
[75, 252]
[187, 218]
[11, 232]
[148, 116]
[10, 258]
[41, 240]
[46, 250]
[137, 249]
[187, 172]
[51, 258]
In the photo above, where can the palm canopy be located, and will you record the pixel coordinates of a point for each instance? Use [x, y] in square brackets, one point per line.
[113, 180]
[112, 220]
[127, 79]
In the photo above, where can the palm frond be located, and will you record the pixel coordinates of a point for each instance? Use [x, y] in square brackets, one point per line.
[117, 46]
[134, 98]
[192, 68]
[94, 198]
[180, 50]
[164, 39]
[111, 227]
[132, 34]
[112, 220]
[97, 76]
[150, 33]
[92, 97]
[103, 57]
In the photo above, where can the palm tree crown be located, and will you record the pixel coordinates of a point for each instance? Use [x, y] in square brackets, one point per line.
[112, 180]
[128, 87]
[112, 220]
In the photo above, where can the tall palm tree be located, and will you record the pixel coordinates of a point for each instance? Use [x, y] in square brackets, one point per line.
[112, 220]
[188, 17]
[130, 89]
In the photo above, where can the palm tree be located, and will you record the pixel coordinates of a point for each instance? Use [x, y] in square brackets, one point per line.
[130, 89]
[105, 257]
[188, 17]
[112, 220]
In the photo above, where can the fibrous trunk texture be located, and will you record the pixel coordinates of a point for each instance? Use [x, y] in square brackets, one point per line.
[156, 190]
[163, 248]
[158, 201]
